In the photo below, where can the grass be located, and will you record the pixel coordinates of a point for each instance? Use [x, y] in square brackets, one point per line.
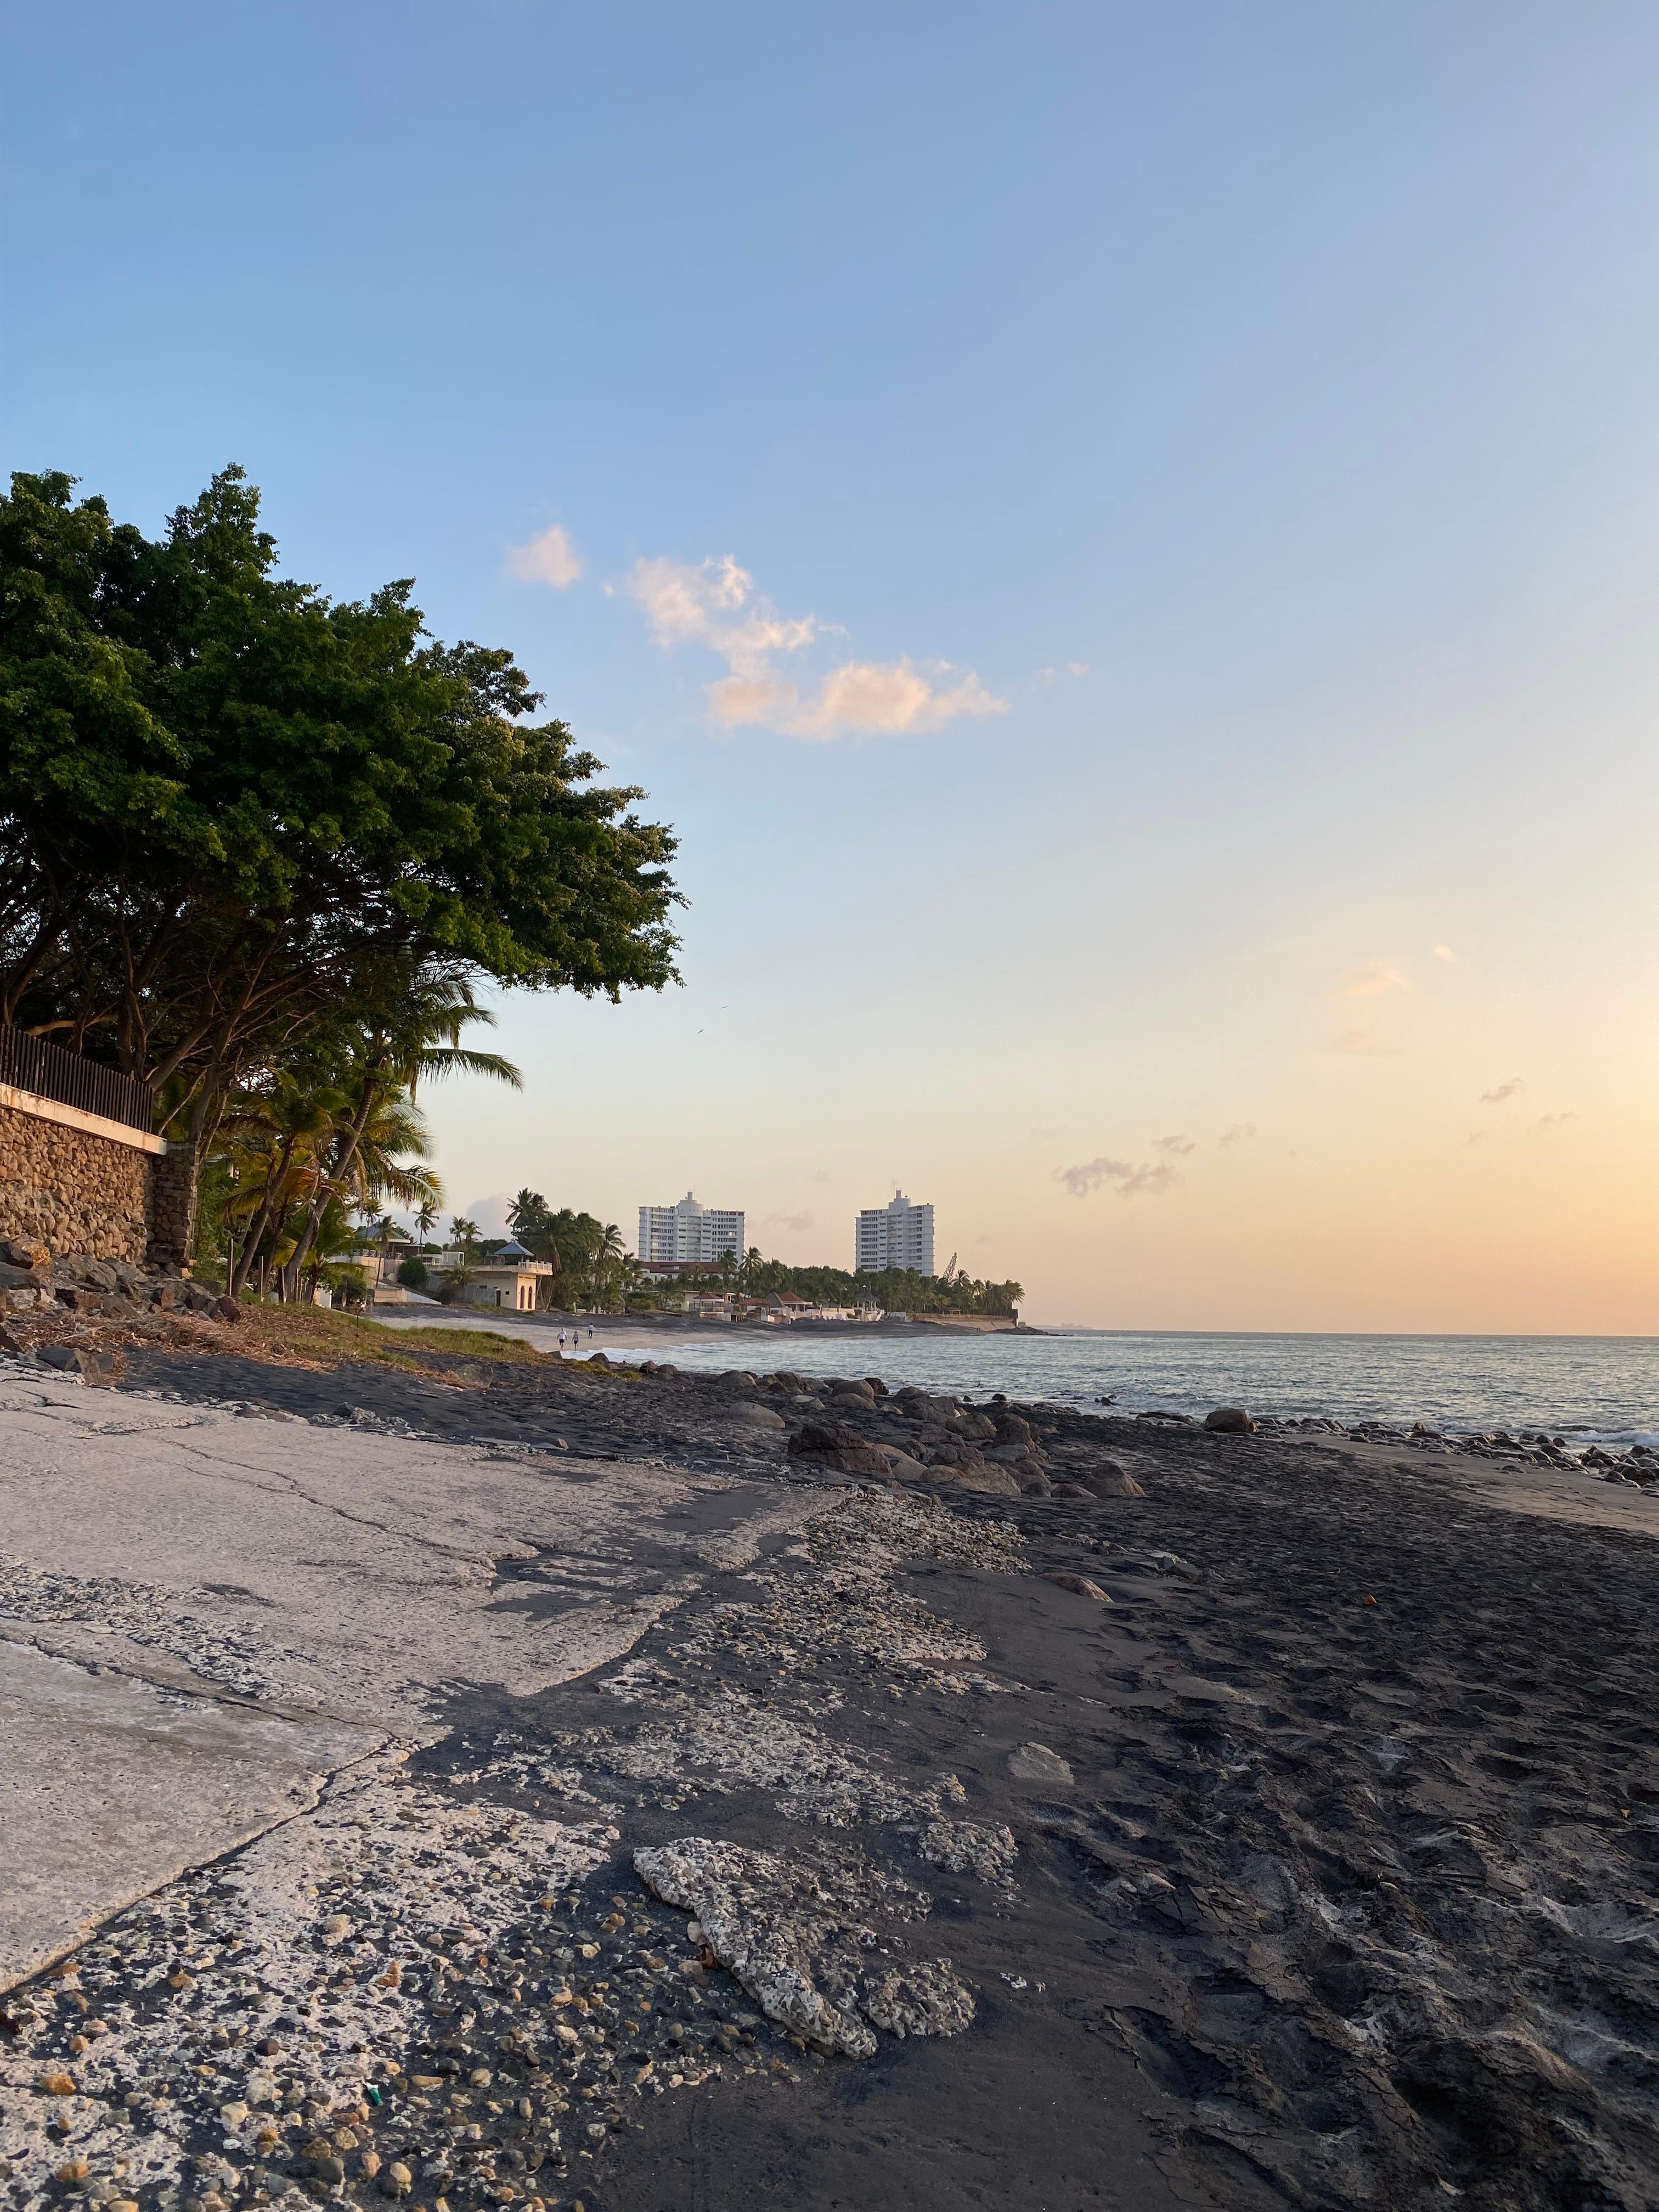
[315, 1334]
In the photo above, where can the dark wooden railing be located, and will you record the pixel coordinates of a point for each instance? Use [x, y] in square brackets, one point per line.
[31, 1063]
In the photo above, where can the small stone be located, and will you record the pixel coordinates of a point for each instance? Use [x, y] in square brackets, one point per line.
[1080, 1586]
[397, 2180]
[73, 2172]
[57, 2085]
[1034, 1762]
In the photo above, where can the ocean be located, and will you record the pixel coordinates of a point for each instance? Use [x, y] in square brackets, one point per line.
[1587, 1389]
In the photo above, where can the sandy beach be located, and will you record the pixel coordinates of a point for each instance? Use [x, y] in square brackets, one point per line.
[512, 1783]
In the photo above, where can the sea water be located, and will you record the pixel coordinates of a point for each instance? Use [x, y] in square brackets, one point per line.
[1588, 1389]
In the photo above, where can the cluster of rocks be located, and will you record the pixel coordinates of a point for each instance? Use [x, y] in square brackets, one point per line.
[38, 1287]
[458, 2006]
[1637, 1466]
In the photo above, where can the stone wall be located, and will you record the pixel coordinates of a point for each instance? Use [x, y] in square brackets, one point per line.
[72, 1191]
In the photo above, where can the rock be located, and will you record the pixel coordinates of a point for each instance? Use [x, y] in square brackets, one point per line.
[759, 1418]
[397, 2180]
[57, 2084]
[741, 1897]
[1111, 1480]
[904, 1468]
[14, 1278]
[1034, 1762]
[1080, 1585]
[965, 1847]
[1230, 1421]
[996, 1482]
[926, 1999]
[851, 1395]
[1011, 1429]
[94, 1367]
[20, 1252]
[838, 1447]
[737, 1378]
[794, 1928]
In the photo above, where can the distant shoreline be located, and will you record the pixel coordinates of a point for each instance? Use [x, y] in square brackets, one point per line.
[683, 1325]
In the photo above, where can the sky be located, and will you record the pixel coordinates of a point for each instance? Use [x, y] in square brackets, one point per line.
[1120, 538]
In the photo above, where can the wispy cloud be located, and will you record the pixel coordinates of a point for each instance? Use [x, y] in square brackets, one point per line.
[1127, 1179]
[1240, 1134]
[1045, 676]
[793, 1223]
[1177, 1147]
[1362, 1042]
[1375, 981]
[1504, 1091]
[1555, 1121]
[549, 559]
[713, 604]
[1443, 952]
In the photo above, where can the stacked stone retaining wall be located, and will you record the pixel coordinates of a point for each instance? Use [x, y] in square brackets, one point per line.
[73, 1191]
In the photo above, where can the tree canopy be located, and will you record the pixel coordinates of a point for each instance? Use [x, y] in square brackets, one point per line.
[234, 811]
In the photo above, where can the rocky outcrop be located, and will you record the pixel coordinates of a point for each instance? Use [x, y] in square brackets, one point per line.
[789, 1925]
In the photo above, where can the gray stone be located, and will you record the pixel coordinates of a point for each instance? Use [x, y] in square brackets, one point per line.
[1230, 1421]
[1035, 1763]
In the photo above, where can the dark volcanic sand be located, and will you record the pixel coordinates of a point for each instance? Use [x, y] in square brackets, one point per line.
[1346, 1902]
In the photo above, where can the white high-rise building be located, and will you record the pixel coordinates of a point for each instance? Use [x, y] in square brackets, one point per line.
[896, 1236]
[689, 1233]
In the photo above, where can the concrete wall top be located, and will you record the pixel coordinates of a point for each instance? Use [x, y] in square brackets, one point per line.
[71, 1117]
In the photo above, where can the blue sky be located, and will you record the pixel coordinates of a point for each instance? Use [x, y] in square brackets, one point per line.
[1185, 477]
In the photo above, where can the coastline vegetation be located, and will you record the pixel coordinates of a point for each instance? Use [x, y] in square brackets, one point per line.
[259, 849]
[896, 1290]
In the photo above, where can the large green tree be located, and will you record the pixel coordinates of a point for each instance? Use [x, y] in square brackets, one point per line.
[230, 807]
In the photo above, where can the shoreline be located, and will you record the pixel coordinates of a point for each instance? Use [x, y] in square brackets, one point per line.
[683, 1325]
[1194, 1785]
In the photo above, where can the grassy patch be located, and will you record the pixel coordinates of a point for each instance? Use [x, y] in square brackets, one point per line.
[315, 1334]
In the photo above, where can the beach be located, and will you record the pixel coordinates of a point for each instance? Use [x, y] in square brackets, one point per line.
[497, 1780]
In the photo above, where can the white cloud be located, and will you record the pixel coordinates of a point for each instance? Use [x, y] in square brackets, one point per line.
[1443, 952]
[1179, 1146]
[1375, 981]
[1045, 676]
[1126, 1179]
[549, 559]
[713, 604]
[1503, 1091]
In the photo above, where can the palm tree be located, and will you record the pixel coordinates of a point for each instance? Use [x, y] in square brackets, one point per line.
[389, 1058]
[273, 1141]
[425, 1214]
[466, 1234]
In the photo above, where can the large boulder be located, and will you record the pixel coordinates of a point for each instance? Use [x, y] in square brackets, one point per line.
[1230, 1421]
[756, 1420]
[996, 1481]
[834, 1446]
[1108, 1479]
